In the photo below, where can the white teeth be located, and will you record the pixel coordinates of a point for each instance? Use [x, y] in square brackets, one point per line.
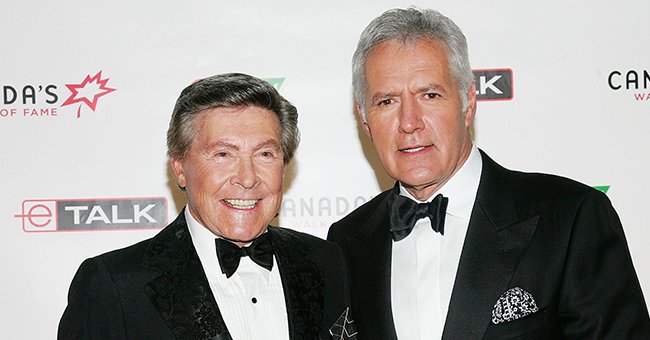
[241, 204]
[413, 150]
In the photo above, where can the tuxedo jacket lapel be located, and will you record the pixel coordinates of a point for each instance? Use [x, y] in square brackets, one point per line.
[302, 282]
[495, 242]
[370, 260]
[181, 293]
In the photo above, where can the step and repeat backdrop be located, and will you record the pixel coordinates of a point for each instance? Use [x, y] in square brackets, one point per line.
[87, 89]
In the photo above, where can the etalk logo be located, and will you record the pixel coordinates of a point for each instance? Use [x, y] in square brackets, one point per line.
[494, 84]
[51, 215]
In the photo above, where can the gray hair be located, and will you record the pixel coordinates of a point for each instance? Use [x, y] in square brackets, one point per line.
[408, 25]
[229, 90]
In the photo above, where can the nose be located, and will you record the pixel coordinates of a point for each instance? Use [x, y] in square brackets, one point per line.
[410, 116]
[246, 175]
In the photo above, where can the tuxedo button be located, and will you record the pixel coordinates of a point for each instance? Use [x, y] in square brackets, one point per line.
[254, 300]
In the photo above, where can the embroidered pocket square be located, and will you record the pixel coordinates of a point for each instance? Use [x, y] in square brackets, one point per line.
[343, 328]
[514, 304]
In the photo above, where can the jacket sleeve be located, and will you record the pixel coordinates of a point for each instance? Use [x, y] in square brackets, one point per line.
[600, 295]
[94, 310]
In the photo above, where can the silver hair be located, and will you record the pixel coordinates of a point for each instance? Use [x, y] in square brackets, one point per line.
[229, 90]
[406, 26]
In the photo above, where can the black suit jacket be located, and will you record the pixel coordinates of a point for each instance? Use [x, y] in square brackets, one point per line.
[157, 289]
[559, 240]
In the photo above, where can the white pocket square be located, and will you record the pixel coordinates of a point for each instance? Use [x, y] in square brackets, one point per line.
[514, 304]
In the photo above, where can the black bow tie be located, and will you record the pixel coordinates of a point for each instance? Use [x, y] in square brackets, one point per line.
[229, 254]
[404, 212]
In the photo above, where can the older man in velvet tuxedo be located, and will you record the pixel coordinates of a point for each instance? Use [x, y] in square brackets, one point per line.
[462, 248]
[219, 271]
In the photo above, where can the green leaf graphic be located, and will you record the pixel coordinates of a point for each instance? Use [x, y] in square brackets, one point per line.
[276, 82]
[603, 188]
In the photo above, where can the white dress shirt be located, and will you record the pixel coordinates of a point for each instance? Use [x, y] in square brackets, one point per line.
[251, 301]
[424, 264]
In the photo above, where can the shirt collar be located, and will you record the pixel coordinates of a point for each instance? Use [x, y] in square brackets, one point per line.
[202, 238]
[204, 244]
[461, 188]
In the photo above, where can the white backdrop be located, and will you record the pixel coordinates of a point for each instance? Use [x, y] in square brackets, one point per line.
[564, 118]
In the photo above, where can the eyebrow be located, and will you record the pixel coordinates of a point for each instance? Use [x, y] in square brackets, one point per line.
[395, 93]
[222, 144]
[383, 95]
[269, 142]
[429, 87]
[228, 145]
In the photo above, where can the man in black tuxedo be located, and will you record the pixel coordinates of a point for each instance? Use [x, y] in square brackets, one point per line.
[496, 254]
[219, 271]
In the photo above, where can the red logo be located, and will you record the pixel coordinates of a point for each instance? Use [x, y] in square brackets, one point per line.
[88, 92]
[38, 215]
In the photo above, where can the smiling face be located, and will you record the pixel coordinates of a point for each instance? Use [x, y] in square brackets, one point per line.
[414, 114]
[233, 171]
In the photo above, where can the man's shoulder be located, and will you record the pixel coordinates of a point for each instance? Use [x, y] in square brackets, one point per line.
[541, 179]
[535, 186]
[359, 216]
[124, 259]
[132, 256]
[550, 185]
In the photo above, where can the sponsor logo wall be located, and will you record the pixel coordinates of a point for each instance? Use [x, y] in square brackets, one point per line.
[83, 117]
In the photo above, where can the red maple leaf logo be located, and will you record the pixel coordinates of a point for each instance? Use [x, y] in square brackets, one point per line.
[88, 92]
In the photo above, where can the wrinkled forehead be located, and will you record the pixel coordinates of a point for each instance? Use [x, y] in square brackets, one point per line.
[244, 124]
[395, 61]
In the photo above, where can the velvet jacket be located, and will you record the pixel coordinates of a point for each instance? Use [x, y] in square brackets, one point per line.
[157, 289]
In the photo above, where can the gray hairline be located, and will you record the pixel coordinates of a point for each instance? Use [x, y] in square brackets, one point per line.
[382, 29]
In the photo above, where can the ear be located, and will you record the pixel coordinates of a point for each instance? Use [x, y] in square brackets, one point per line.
[471, 106]
[177, 167]
[366, 127]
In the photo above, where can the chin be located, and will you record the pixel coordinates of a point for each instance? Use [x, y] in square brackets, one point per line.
[418, 180]
[247, 234]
